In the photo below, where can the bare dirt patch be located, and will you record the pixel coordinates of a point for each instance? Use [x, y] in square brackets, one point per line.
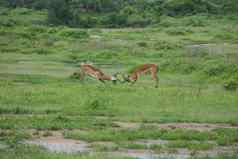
[192, 126]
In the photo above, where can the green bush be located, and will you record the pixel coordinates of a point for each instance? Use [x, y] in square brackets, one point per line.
[115, 20]
[4, 11]
[40, 4]
[7, 22]
[59, 12]
[184, 7]
[37, 29]
[230, 6]
[43, 51]
[216, 69]
[137, 21]
[195, 21]
[165, 45]
[142, 44]
[167, 21]
[226, 36]
[73, 33]
[231, 84]
[85, 21]
[99, 105]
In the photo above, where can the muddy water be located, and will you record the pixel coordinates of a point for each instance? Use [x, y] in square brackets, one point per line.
[59, 144]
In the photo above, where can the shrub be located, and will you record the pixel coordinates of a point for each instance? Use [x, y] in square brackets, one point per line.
[105, 55]
[115, 20]
[164, 45]
[99, 106]
[137, 21]
[53, 30]
[142, 44]
[74, 33]
[40, 4]
[37, 29]
[8, 23]
[226, 36]
[15, 110]
[215, 69]
[178, 31]
[59, 13]
[4, 11]
[183, 7]
[29, 36]
[167, 21]
[188, 68]
[85, 21]
[195, 22]
[50, 41]
[22, 11]
[231, 84]
[42, 51]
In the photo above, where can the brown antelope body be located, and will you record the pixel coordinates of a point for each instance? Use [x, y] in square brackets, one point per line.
[142, 69]
[88, 69]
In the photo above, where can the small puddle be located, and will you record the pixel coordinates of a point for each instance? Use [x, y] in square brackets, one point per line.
[59, 144]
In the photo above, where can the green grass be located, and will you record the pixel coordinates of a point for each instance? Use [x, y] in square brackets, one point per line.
[190, 145]
[52, 122]
[169, 103]
[142, 133]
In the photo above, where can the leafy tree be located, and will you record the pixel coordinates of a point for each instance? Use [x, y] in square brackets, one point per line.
[59, 12]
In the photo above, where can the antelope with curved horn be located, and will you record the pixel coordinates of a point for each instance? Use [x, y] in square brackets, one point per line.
[142, 69]
[89, 69]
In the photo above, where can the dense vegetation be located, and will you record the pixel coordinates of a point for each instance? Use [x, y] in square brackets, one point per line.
[122, 13]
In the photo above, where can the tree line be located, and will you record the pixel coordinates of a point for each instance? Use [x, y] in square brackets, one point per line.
[122, 13]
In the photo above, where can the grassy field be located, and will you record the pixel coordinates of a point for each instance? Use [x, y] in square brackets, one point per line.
[198, 73]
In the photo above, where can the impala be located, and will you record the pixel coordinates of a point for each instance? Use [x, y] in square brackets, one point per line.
[89, 69]
[142, 69]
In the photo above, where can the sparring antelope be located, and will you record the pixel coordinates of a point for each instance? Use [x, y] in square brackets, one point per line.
[89, 69]
[142, 69]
